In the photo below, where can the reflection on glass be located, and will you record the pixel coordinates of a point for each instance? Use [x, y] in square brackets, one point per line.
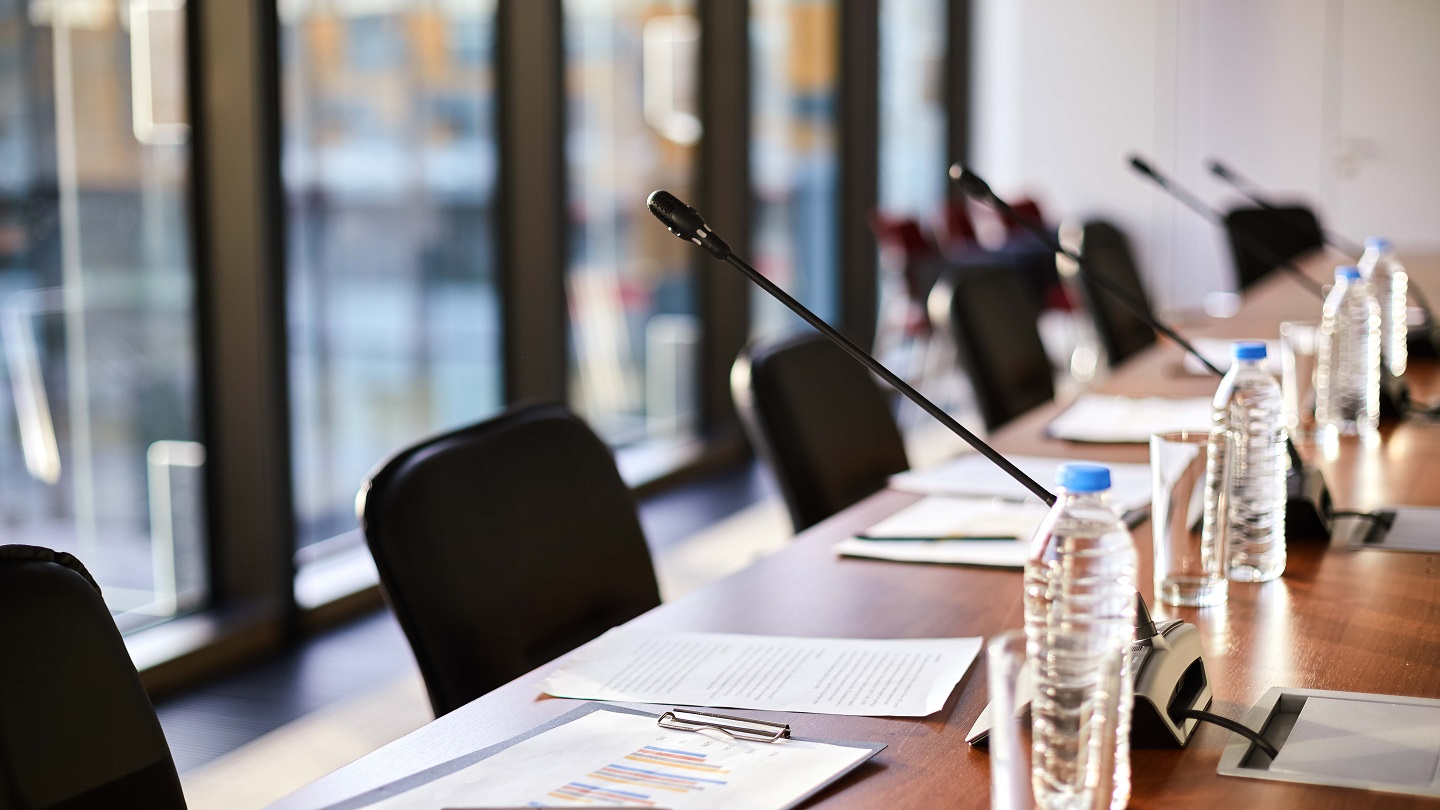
[633, 128]
[794, 168]
[389, 169]
[912, 107]
[99, 416]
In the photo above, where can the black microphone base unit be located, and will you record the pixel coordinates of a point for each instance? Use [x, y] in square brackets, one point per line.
[1309, 512]
[1170, 679]
[1394, 397]
[1424, 342]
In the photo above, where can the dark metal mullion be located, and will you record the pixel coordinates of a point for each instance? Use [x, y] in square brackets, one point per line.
[858, 114]
[957, 81]
[533, 221]
[238, 214]
[723, 196]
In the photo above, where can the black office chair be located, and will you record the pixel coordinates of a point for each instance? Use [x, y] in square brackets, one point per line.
[77, 729]
[1107, 253]
[997, 336]
[821, 422]
[504, 545]
[1261, 239]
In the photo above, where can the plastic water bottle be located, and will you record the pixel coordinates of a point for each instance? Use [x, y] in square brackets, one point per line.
[1245, 470]
[1079, 622]
[1347, 372]
[1391, 283]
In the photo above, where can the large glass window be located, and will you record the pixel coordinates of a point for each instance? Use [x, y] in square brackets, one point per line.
[912, 107]
[99, 415]
[793, 159]
[389, 173]
[633, 128]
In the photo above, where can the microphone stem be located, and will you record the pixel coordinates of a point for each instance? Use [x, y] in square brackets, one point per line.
[889, 377]
[1247, 189]
[1247, 242]
[1111, 288]
[1126, 301]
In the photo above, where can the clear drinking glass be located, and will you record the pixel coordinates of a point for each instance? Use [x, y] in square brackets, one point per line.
[1298, 358]
[1009, 735]
[1188, 570]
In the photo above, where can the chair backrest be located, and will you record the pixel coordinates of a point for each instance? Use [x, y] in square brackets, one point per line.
[997, 335]
[820, 420]
[503, 545]
[1280, 233]
[1107, 253]
[77, 729]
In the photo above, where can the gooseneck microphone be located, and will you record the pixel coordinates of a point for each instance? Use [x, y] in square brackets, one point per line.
[1253, 194]
[687, 224]
[1248, 243]
[1333, 240]
[1308, 509]
[975, 187]
[1167, 656]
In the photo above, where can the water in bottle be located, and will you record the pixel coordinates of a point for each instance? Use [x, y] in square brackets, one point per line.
[1388, 278]
[1347, 374]
[1079, 622]
[1245, 469]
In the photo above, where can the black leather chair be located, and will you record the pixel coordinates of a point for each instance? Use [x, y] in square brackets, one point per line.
[504, 545]
[820, 420]
[997, 336]
[77, 729]
[1107, 253]
[1280, 233]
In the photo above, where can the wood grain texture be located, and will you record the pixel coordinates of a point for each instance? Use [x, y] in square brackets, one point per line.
[1364, 621]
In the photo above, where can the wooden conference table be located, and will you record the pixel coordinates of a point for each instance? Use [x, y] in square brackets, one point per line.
[1366, 621]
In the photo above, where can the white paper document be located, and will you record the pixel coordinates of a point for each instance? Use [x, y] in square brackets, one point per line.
[612, 759]
[973, 474]
[943, 518]
[986, 553]
[1124, 420]
[868, 677]
[1217, 351]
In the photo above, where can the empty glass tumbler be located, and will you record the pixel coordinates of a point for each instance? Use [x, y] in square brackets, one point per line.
[1189, 568]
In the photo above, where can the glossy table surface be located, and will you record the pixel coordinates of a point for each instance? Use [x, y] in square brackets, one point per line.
[1366, 621]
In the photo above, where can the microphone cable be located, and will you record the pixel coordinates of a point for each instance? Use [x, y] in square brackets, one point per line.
[1232, 725]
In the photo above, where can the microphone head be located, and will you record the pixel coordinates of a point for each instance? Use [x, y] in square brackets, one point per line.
[685, 222]
[663, 205]
[1138, 164]
[970, 183]
[681, 219]
[1218, 169]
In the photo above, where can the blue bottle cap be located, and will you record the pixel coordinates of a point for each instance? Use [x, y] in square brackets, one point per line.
[1380, 243]
[1248, 350]
[1348, 272]
[1083, 477]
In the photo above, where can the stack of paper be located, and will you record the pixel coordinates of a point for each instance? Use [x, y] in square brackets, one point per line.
[1217, 351]
[975, 475]
[964, 531]
[1123, 420]
[867, 677]
[984, 553]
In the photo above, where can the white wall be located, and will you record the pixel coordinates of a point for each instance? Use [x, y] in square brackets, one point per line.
[1066, 89]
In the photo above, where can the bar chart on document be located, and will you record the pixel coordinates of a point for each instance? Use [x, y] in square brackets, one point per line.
[612, 758]
[653, 775]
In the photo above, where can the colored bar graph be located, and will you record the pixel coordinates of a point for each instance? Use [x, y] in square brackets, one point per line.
[646, 777]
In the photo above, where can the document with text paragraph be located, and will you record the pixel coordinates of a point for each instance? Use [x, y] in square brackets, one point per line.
[870, 677]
